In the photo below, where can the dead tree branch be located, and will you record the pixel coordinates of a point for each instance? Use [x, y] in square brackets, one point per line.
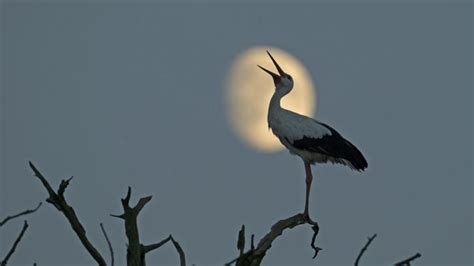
[15, 244]
[254, 256]
[152, 247]
[136, 251]
[362, 251]
[58, 200]
[182, 257]
[407, 262]
[111, 250]
[4, 221]
[135, 254]
[241, 240]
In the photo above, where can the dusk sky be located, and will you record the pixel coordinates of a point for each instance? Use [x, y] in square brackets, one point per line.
[134, 94]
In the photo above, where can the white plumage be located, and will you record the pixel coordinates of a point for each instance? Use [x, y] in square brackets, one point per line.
[313, 141]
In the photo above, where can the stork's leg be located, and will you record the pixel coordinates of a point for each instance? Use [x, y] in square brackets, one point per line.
[309, 179]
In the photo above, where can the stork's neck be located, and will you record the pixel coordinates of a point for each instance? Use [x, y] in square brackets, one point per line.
[275, 109]
[276, 98]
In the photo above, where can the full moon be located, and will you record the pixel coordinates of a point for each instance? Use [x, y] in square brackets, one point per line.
[249, 89]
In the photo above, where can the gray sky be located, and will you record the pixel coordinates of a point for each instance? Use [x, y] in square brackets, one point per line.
[133, 94]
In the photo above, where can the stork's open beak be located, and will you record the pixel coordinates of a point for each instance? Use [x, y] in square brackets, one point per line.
[276, 77]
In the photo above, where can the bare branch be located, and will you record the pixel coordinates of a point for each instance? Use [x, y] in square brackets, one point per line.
[182, 257]
[58, 200]
[152, 247]
[364, 248]
[277, 229]
[252, 240]
[407, 262]
[109, 244]
[241, 240]
[20, 214]
[15, 244]
[255, 256]
[141, 203]
[135, 251]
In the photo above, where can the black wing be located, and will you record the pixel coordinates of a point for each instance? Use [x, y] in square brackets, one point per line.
[335, 146]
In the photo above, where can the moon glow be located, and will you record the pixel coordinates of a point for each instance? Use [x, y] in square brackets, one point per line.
[249, 90]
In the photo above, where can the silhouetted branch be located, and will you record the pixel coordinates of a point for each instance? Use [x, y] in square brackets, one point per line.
[255, 256]
[241, 240]
[20, 214]
[152, 247]
[369, 240]
[136, 251]
[252, 240]
[15, 244]
[182, 257]
[59, 202]
[112, 261]
[407, 262]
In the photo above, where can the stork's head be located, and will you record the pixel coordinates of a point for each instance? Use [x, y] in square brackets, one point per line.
[282, 81]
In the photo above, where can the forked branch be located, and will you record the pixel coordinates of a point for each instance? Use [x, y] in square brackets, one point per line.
[136, 251]
[58, 200]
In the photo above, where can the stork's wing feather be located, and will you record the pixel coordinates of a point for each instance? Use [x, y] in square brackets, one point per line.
[333, 145]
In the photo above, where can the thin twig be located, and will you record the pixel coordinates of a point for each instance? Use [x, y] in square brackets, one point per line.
[362, 251]
[109, 244]
[20, 214]
[182, 257]
[15, 244]
[59, 202]
[152, 247]
[407, 262]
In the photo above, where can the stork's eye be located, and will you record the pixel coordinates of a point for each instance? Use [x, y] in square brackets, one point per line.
[289, 77]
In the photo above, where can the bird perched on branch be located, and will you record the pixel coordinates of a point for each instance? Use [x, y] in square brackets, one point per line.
[313, 141]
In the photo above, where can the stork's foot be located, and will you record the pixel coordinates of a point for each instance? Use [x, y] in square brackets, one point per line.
[306, 216]
[308, 219]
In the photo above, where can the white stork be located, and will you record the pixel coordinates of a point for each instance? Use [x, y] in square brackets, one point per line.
[313, 141]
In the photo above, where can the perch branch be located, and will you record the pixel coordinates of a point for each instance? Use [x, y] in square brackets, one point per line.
[4, 221]
[15, 244]
[112, 261]
[407, 262]
[255, 256]
[364, 248]
[59, 202]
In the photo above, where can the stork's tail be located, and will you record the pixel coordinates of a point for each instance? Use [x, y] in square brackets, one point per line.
[355, 157]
